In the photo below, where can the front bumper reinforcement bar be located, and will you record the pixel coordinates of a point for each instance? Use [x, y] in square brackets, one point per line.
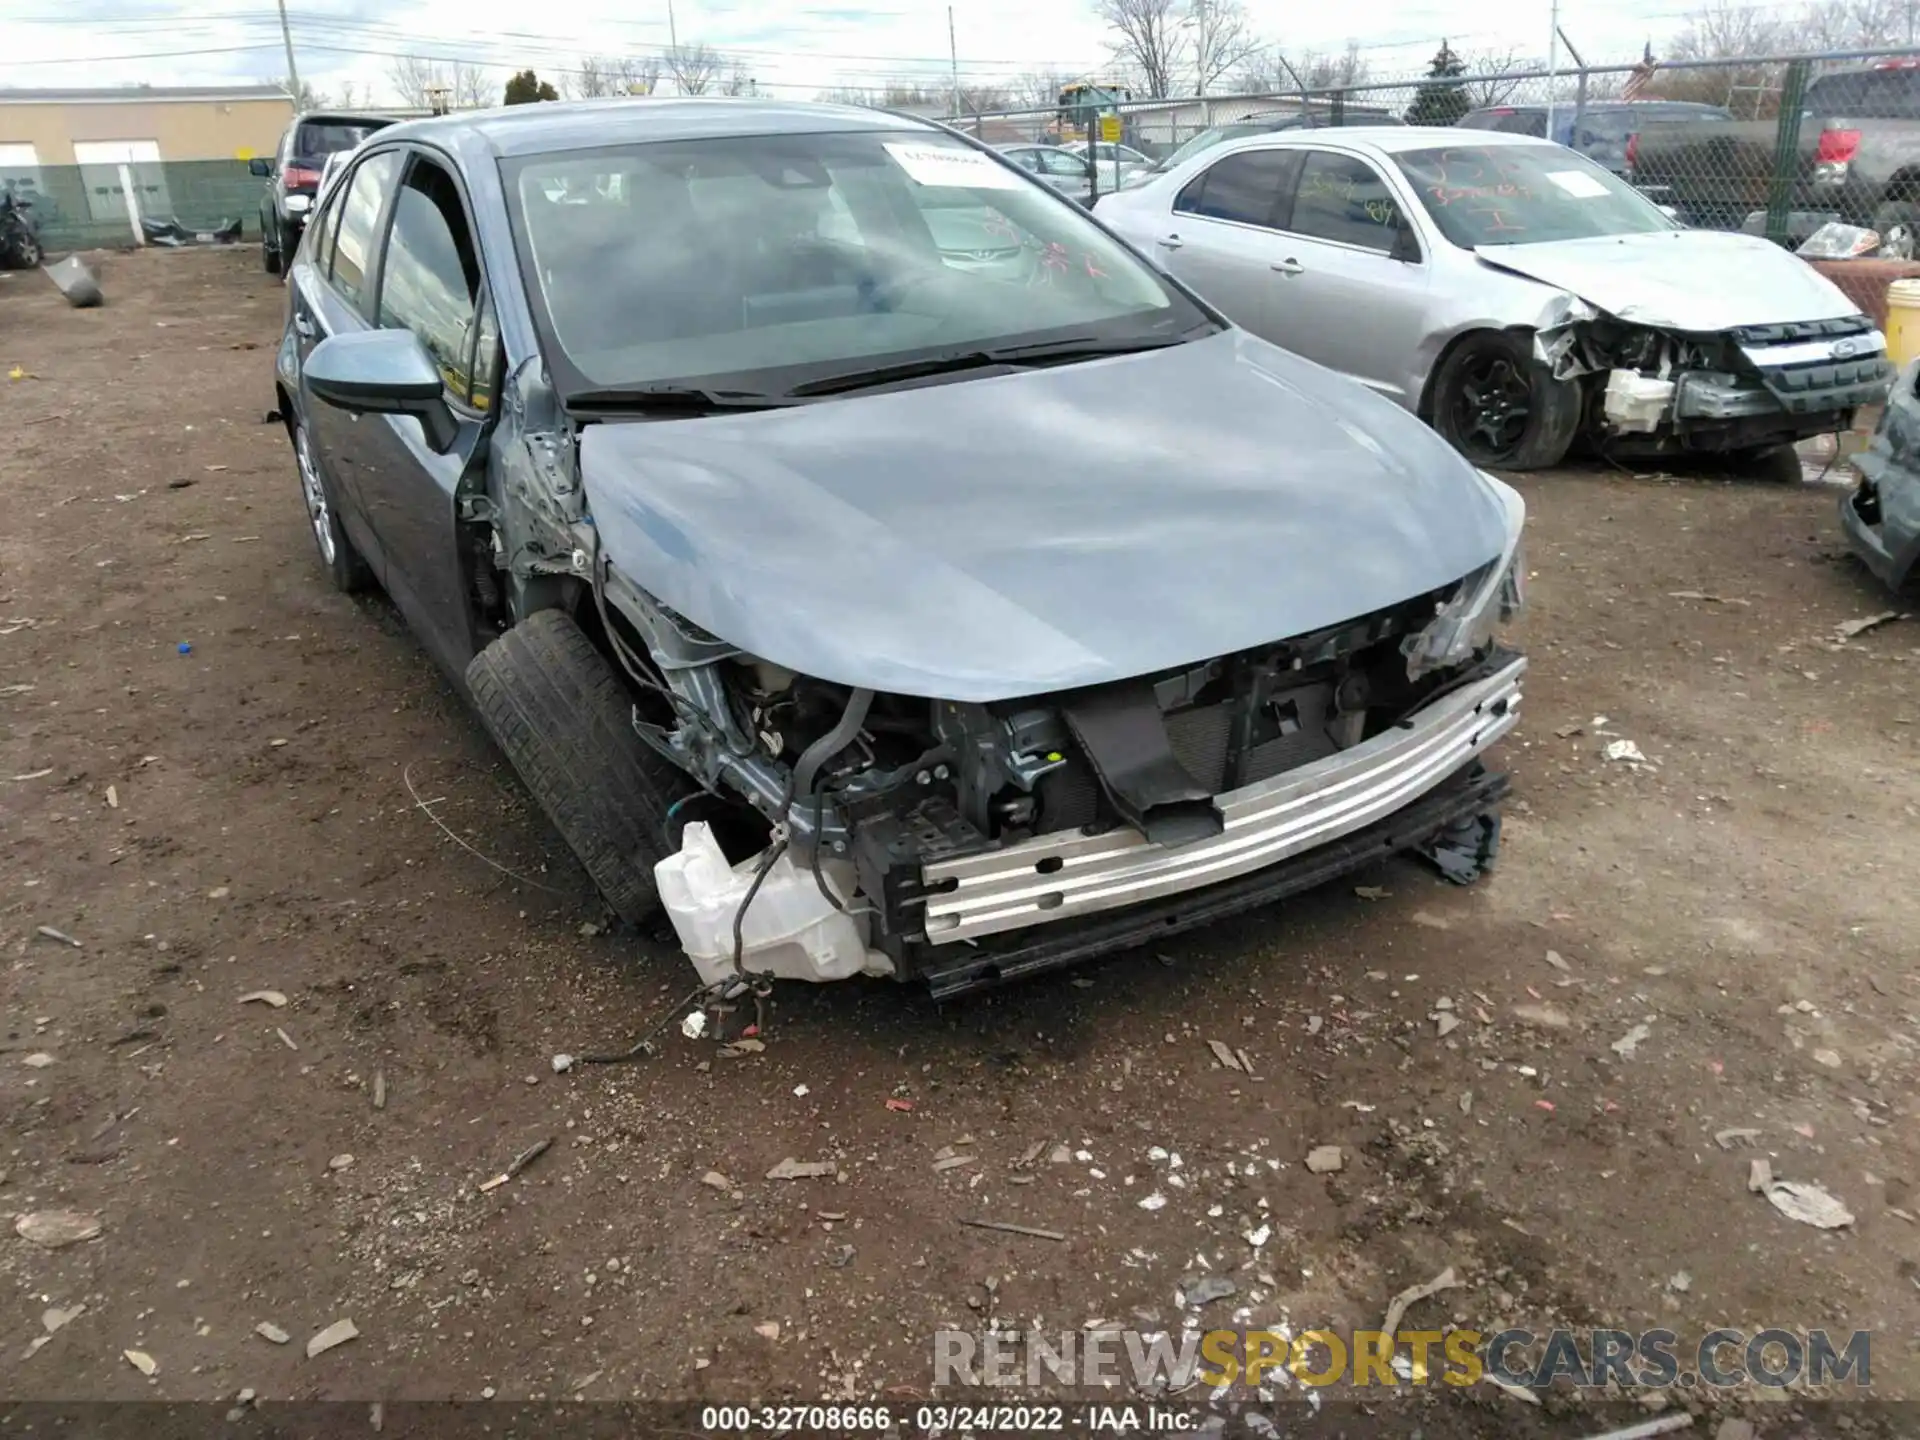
[1069, 874]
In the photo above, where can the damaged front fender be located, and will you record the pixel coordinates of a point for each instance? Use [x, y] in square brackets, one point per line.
[1557, 340]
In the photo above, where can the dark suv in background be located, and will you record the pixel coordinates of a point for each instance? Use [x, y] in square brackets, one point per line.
[295, 171]
[1606, 128]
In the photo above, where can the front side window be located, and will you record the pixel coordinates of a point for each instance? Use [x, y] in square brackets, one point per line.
[1518, 194]
[360, 208]
[1058, 162]
[1344, 199]
[756, 263]
[431, 276]
[1246, 188]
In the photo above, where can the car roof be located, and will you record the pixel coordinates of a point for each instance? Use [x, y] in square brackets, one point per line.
[346, 117]
[632, 119]
[1568, 108]
[1385, 138]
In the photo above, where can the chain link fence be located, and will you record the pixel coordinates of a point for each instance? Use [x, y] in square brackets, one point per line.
[80, 207]
[1771, 145]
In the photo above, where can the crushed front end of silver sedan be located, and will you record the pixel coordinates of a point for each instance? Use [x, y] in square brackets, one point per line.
[1655, 390]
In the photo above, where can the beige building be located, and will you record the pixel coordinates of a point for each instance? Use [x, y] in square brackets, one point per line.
[133, 124]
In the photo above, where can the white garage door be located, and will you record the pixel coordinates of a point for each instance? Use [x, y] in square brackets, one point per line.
[19, 168]
[100, 162]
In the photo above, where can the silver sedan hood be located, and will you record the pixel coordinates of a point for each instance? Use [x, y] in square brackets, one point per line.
[1700, 281]
[990, 538]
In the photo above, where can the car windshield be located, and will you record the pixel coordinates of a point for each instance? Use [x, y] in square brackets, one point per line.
[756, 263]
[1518, 194]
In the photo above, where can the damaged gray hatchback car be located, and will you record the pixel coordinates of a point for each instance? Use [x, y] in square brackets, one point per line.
[876, 611]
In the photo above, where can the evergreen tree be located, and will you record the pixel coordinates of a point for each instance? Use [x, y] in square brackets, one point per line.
[1442, 98]
[526, 87]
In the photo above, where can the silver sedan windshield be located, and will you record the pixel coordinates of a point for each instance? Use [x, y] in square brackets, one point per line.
[1519, 194]
[765, 258]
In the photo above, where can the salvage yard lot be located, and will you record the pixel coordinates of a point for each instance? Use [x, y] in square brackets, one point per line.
[242, 815]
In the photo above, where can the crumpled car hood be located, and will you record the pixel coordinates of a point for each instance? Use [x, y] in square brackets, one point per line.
[1700, 281]
[996, 537]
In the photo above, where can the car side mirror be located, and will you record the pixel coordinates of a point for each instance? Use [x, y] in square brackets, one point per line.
[260, 166]
[383, 372]
[1406, 246]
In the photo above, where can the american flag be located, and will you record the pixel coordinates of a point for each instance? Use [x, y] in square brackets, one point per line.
[1640, 76]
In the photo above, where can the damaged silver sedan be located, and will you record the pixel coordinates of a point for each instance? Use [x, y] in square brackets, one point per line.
[1510, 292]
[873, 612]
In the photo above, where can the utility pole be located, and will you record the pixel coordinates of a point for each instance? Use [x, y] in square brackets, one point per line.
[953, 58]
[293, 72]
[673, 31]
[1553, 60]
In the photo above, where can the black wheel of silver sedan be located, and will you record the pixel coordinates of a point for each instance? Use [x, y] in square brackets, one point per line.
[1498, 406]
[345, 567]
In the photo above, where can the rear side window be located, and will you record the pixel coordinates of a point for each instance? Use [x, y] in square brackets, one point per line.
[360, 207]
[1344, 199]
[1246, 187]
[1867, 95]
[430, 278]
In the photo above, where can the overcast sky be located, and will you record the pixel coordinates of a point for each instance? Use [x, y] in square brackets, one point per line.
[790, 50]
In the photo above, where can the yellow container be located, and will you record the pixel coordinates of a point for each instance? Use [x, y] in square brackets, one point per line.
[1903, 321]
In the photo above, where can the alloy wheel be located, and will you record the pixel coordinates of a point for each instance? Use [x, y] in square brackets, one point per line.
[316, 496]
[1494, 404]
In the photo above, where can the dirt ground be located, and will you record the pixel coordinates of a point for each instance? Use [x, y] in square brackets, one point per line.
[215, 773]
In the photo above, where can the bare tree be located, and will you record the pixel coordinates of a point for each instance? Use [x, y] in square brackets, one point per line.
[471, 88]
[979, 97]
[348, 95]
[1856, 24]
[694, 68]
[1333, 72]
[591, 79]
[1146, 38]
[737, 81]
[1222, 39]
[417, 80]
[1489, 85]
[305, 98]
[1274, 72]
[411, 78]
[1040, 89]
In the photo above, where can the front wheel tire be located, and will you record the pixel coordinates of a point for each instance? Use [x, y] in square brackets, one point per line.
[1499, 407]
[555, 707]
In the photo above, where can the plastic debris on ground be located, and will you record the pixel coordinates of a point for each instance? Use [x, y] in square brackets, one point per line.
[75, 280]
[1627, 752]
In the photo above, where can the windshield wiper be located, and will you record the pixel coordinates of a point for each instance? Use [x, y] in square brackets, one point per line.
[997, 358]
[672, 397]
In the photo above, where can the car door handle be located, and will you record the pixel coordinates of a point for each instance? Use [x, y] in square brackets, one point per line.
[303, 327]
[1289, 266]
[1170, 242]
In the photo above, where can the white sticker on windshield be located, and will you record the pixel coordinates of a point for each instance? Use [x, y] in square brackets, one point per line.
[952, 165]
[1577, 183]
